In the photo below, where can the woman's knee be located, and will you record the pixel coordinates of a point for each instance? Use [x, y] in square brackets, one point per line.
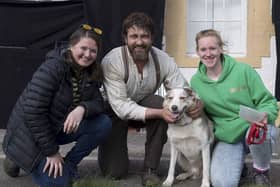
[226, 164]
[43, 179]
[224, 182]
[224, 179]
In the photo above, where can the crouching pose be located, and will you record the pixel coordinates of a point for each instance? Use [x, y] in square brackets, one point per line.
[132, 75]
[224, 84]
[61, 104]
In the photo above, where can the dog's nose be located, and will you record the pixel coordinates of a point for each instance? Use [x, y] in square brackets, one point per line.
[174, 108]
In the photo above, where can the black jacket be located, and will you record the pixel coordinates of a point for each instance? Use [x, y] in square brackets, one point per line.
[275, 11]
[42, 108]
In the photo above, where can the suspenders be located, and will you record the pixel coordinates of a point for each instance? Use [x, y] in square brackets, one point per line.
[126, 66]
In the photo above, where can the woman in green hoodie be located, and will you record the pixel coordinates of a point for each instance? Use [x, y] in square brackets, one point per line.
[223, 85]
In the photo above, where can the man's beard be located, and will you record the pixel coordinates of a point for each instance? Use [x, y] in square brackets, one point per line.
[142, 55]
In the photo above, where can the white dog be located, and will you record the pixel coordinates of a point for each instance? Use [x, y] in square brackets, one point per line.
[189, 139]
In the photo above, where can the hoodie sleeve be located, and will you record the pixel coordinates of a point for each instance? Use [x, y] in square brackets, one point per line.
[261, 97]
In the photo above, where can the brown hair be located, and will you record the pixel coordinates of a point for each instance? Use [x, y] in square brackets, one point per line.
[94, 69]
[209, 32]
[140, 20]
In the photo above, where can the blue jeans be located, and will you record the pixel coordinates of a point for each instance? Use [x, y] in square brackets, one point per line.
[228, 159]
[88, 136]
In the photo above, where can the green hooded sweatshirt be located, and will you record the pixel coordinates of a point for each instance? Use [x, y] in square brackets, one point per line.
[238, 84]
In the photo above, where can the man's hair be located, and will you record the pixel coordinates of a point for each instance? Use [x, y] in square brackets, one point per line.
[140, 20]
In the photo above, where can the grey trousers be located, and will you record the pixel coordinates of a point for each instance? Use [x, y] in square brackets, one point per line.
[113, 153]
[228, 159]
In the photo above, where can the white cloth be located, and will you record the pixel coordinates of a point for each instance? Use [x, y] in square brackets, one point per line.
[123, 97]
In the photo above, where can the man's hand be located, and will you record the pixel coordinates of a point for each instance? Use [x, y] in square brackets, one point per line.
[54, 164]
[165, 114]
[168, 116]
[195, 112]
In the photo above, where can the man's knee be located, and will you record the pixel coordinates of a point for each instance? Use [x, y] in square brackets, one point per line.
[114, 168]
[105, 124]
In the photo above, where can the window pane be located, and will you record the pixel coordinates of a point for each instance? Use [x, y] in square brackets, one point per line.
[226, 16]
[191, 33]
[193, 6]
[234, 9]
[219, 10]
[231, 35]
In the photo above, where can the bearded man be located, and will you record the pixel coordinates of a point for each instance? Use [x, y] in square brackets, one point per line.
[133, 73]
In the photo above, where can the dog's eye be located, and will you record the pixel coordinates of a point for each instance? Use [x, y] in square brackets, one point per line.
[169, 98]
[182, 98]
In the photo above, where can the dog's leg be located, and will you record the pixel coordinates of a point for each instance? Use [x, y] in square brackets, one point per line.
[173, 157]
[206, 166]
[185, 165]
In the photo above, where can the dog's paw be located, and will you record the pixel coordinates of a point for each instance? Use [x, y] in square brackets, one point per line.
[183, 176]
[168, 182]
[205, 184]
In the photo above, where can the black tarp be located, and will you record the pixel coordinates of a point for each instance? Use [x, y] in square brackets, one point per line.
[39, 25]
[36, 25]
[28, 29]
[98, 13]
[276, 21]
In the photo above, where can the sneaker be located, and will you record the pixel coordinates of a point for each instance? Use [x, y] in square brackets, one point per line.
[262, 178]
[245, 171]
[245, 176]
[150, 178]
[10, 168]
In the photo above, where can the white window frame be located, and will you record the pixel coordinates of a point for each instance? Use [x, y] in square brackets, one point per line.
[190, 40]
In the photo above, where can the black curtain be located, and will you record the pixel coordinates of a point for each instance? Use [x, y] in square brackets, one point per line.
[28, 29]
[276, 21]
[109, 14]
[38, 25]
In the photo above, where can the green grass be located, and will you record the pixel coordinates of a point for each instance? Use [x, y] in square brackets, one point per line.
[251, 185]
[107, 182]
[96, 182]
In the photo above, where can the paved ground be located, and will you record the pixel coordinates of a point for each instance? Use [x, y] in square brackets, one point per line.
[89, 167]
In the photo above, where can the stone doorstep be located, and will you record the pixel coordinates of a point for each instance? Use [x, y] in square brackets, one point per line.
[136, 142]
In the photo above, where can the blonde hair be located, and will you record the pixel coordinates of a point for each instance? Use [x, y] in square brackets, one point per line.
[209, 32]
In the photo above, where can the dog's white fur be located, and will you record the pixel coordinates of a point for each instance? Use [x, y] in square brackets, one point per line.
[189, 139]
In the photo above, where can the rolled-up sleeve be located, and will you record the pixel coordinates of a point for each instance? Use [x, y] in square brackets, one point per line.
[170, 73]
[116, 91]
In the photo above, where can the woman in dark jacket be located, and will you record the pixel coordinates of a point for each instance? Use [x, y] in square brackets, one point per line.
[61, 104]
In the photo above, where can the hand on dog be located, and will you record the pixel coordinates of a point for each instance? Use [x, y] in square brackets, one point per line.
[195, 112]
[168, 116]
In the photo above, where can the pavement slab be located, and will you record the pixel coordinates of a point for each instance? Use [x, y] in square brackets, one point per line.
[89, 166]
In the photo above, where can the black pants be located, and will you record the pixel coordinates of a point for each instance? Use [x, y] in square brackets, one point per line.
[277, 82]
[113, 155]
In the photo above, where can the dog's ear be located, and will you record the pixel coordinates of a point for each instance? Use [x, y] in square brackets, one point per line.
[191, 92]
[167, 88]
[188, 90]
